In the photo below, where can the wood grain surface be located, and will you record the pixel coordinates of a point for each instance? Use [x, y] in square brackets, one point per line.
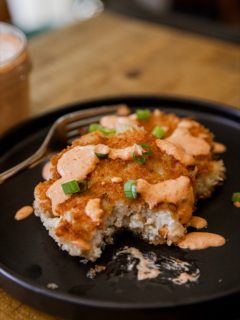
[113, 55]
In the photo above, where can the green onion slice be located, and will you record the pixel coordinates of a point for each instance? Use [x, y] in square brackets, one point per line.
[130, 189]
[143, 114]
[94, 127]
[74, 186]
[97, 127]
[149, 151]
[236, 197]
[158, 132]
[107, 131]
[139, 159]
[71, 187]
[101, 155]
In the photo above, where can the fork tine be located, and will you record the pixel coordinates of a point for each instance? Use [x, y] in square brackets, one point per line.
[82, 114]
[73, 133]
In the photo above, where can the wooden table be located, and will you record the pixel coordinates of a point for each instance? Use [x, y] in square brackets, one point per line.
[114, 55]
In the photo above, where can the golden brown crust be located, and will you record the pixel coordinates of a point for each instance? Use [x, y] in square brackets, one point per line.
[82, 226]
[168, 121]
[40, 194]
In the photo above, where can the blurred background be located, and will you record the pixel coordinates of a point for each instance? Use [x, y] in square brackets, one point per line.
[216, 18]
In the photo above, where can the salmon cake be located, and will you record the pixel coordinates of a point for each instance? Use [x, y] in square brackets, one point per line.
[142, 172]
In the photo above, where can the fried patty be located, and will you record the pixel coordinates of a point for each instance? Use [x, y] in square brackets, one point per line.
[77, 232]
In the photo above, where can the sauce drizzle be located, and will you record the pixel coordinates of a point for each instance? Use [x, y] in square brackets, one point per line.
[198, 222]
[201, 240]
[46, 171]
[219, 147]
[23, 213]
[175, 151]
[146, 267]
[192, 145]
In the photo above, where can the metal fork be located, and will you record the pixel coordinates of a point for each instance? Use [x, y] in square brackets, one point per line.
[61, 133]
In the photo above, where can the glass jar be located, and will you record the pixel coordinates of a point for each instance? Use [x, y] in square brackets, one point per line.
[14, 76]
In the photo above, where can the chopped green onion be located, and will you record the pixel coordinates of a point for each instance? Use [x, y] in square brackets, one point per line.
[70, 187]
[94, 127]
[74, 186]
[143, 114]
[143, 158]
[107, 131]
[130, 189]
[139, 159]
[148, 148]
[236, 197]
[158, 132]
[97, 127]
[101, 155]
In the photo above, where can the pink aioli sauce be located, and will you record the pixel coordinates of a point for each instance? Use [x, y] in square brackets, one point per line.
[181, 136]
[115, 121]
[201, 240]
[10, 46]
[126, 153]
[23, 213]
[93, 210]
[175, 191]
[219, 147]
[146, 268]
[236, 204]
[198, 222]
[175, 151]
[157, 113]
[46, 171]
[14, 71]
[185, 277]
[123, 110]
[188, 123]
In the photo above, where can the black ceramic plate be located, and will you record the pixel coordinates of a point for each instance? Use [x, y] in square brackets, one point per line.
[29, 258]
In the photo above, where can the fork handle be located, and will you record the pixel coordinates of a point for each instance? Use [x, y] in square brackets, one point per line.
[27, 163]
